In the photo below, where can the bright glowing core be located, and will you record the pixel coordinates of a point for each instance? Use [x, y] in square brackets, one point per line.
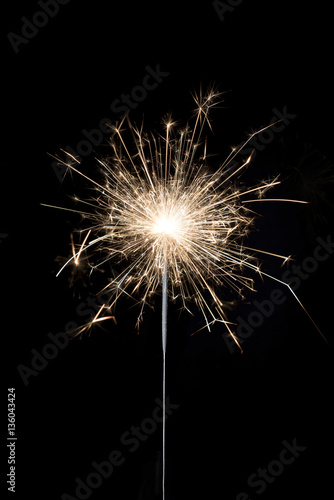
[165, 225]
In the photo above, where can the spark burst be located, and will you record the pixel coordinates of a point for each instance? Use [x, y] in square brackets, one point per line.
[159, 206]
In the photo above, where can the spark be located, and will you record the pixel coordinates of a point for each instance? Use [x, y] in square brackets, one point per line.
[160, 207]
[76, 256]
[276, 199]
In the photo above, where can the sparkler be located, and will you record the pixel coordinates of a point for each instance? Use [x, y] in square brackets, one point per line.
[170, 223]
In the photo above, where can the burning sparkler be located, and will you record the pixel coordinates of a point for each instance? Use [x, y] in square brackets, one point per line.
[161, 209]
[169, 222]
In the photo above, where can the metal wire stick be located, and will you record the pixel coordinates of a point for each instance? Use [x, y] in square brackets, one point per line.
[164, 344]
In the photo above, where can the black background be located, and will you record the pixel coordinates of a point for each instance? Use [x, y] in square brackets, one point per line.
[234, 410]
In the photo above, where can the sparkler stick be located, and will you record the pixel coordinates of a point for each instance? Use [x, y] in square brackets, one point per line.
[161, 213]
[164, 343]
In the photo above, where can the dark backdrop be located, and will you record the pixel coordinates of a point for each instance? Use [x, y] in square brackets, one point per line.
[234, 412]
